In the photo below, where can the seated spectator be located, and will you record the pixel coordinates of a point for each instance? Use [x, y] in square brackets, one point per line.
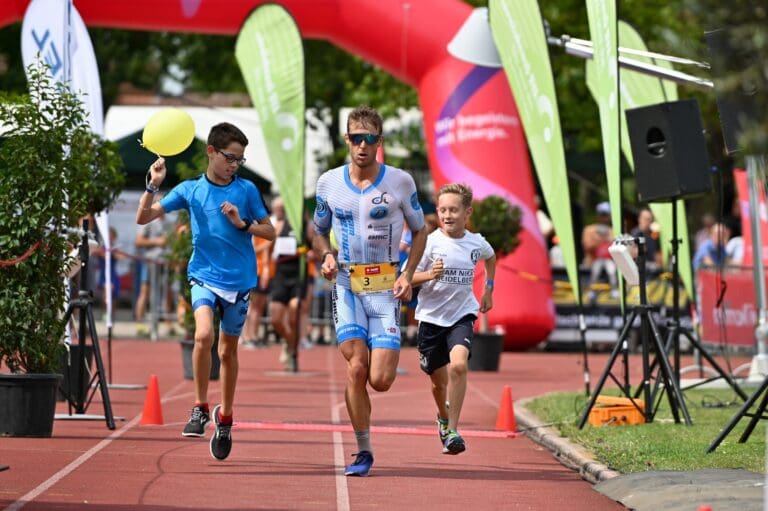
[712, 250]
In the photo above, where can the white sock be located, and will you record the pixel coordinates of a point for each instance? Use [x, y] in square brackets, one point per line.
[364, 440]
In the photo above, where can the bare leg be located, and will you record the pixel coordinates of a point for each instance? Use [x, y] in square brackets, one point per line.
[440, 390]
[355, 351]
[457, 384]
[141, 302]
[201, 355]
[383, 368]
[292, 339]
[278, 312]
[229, 369]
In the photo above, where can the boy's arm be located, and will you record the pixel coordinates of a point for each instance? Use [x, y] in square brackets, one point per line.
[263, 229]
[486, 302]
[433, 273]
[147, 210]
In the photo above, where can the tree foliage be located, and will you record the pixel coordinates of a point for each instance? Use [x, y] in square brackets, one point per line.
[54, 171]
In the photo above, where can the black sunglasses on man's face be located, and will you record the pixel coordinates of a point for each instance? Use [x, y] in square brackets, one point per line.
[357, 138]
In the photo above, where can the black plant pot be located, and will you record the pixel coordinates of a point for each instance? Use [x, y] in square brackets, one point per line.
[27, 404]
[70, 369]
[486, 351]
[187, 347]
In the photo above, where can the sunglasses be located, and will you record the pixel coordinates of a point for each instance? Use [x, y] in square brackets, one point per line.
[357, 138]
[231, 158]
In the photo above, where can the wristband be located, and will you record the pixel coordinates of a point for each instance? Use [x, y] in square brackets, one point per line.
[246, 226]
[151, 188]
[489, 283]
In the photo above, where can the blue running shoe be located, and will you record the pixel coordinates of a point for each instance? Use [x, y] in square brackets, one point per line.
[454, 444]
[361, 466]
[442, 429]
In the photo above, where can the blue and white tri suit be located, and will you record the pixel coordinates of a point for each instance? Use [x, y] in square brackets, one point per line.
[222, 268]
[367, 225]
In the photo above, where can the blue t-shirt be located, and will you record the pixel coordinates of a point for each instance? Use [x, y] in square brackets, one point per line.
[708, 248]
[222, 255]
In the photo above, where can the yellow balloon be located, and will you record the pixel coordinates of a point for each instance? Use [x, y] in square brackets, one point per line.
[168, 132]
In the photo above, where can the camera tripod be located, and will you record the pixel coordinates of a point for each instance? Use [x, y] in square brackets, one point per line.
[650, 337]
[83, 304]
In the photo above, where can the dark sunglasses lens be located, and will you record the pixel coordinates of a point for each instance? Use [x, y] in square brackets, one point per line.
[370, 138]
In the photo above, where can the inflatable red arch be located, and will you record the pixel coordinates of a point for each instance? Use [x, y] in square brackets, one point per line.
[470, 118]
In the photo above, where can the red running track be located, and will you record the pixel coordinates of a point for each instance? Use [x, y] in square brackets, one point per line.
[293, 441]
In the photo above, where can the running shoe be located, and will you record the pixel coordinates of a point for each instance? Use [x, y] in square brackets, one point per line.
[361, 466]
[454, 444]
[197, 422]
[442, 429]
[221, 440]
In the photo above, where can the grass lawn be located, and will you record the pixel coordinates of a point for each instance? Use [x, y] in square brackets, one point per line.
[661, 445]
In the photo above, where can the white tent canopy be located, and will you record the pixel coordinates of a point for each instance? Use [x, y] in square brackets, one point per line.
[122, 121]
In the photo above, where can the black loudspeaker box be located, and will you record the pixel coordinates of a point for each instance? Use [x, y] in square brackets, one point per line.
[669, 150]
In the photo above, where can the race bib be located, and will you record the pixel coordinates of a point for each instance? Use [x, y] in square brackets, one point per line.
[369, 278]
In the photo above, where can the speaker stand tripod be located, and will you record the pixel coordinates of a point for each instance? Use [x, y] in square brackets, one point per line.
[744, 412]
[84, 394]
[649, 334]
[675, 330]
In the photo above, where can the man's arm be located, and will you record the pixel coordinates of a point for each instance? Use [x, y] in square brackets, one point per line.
[403, 288]
[321, 243]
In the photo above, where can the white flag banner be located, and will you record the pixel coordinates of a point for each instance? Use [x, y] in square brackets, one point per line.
[44, 32]
[53, 31]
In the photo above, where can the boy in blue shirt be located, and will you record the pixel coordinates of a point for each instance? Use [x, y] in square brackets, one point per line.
[225, 211]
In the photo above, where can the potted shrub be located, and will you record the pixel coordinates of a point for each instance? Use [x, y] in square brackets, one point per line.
[180, 251]
[500, 223]
[53, 172]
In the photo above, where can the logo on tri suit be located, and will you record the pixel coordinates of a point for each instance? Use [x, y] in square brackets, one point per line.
[475, 255]
[378, 212]
[322, 207]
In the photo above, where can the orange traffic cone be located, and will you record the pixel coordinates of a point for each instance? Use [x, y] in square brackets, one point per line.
[153, 412]
[505, 421]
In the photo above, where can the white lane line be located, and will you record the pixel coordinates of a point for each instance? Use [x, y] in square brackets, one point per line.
[90, 453]
[342, 491]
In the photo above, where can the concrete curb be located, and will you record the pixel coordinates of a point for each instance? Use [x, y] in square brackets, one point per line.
[566, 452]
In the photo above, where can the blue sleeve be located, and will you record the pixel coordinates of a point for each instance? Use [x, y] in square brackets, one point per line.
[322, 217]
[412, 211]
[256, 200]
[176, 198]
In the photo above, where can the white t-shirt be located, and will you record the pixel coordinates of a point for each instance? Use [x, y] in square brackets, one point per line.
[446, 300]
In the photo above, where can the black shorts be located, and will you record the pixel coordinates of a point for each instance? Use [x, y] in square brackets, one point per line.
[284, 288]
[436, 342]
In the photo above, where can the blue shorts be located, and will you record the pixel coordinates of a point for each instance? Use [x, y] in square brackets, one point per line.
[374, 317]
[232, 314]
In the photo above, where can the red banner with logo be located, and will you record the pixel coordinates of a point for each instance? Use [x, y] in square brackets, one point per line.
[733, 320]
[740, 176]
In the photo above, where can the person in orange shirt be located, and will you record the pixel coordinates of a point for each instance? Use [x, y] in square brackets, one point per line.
[251, 337]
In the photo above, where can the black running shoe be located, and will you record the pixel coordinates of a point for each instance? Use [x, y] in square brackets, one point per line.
[197, 423]
[454, 444]
[221, 441]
